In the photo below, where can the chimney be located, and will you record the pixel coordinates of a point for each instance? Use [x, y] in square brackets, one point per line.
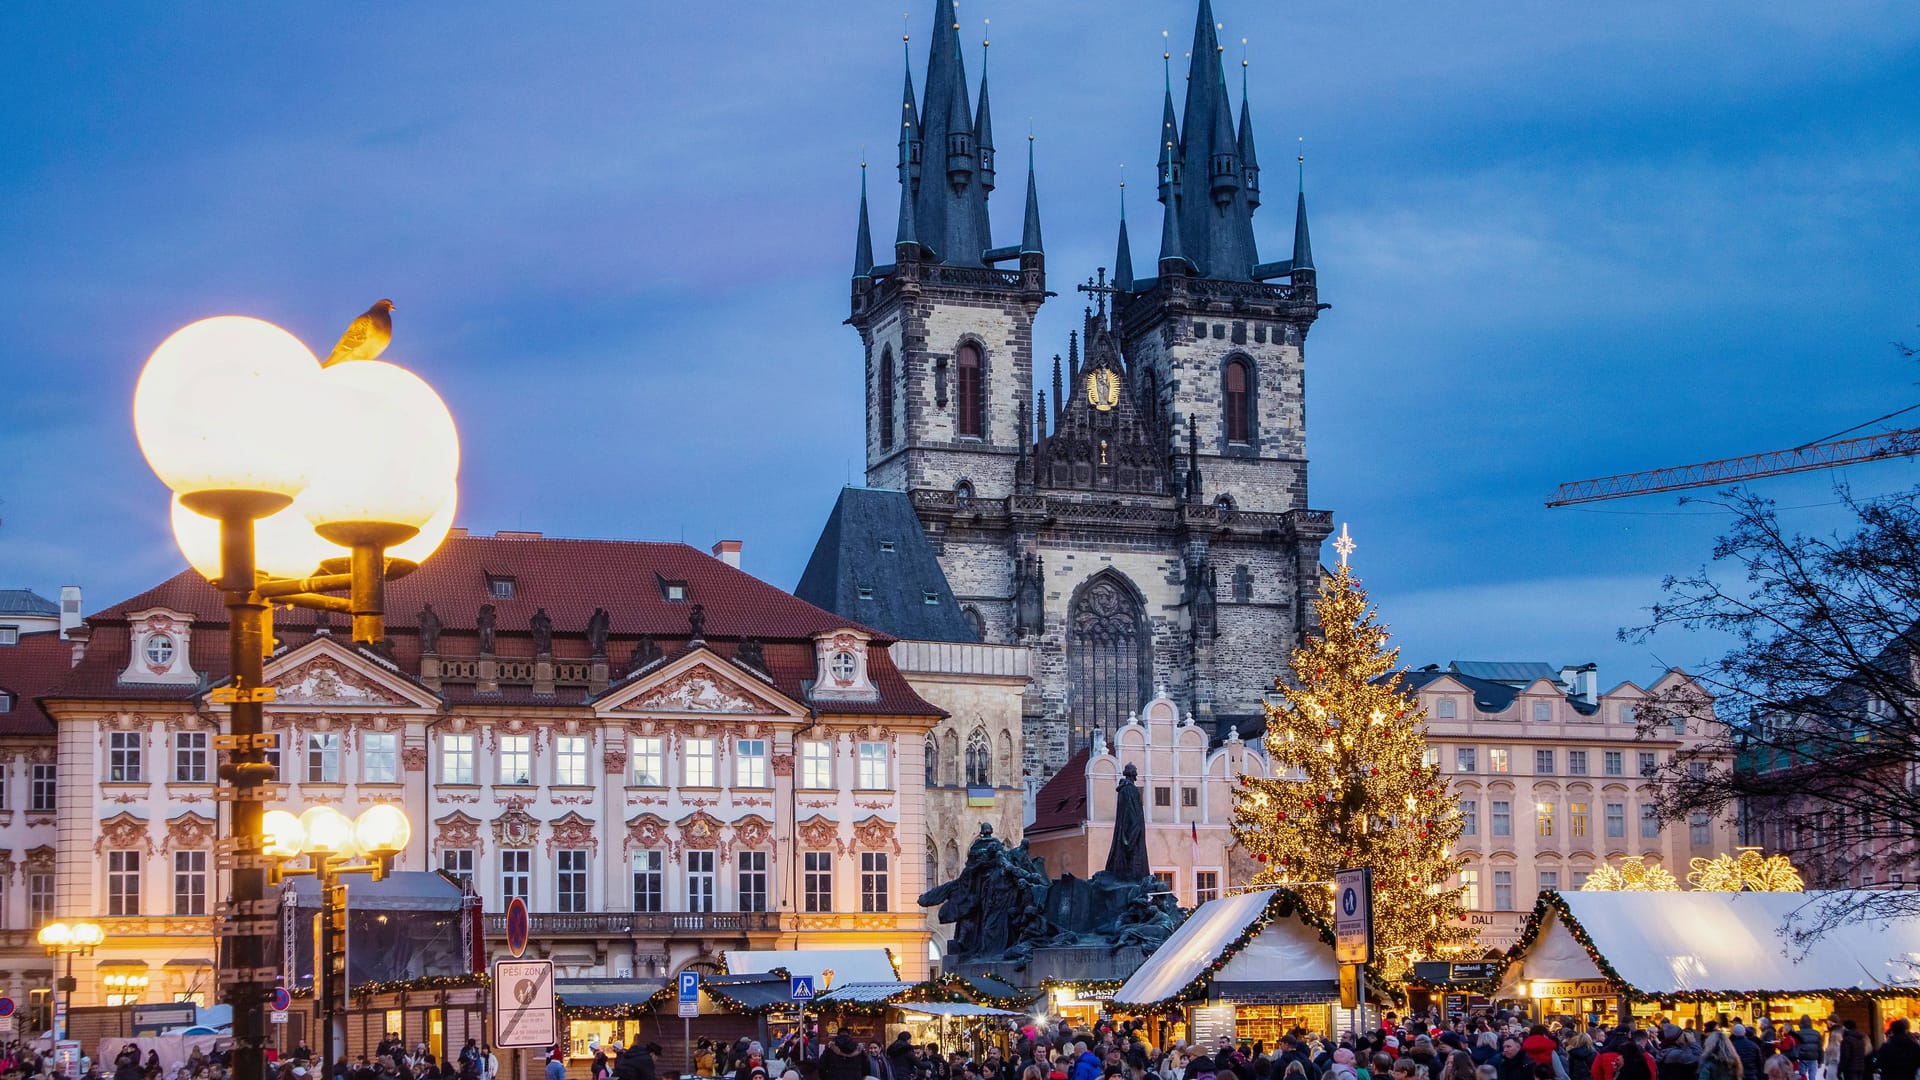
[78, 639]
[727, 551]
[1583, 683]
[69, 609]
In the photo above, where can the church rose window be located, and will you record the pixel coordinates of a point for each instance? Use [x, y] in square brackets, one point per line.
[972, 387]
[1236, 401]
[1108, 657]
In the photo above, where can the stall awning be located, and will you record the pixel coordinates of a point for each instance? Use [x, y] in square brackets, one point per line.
[955, 1008]
[1709, 944]
[846, 965]
[1235, 944]
[866, 992]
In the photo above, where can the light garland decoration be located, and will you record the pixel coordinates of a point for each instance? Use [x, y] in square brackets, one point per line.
[1748, 871]
[1351, 787]
[1634, 874]
[462, 981]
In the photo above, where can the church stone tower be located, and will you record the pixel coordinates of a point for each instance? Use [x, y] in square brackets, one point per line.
[1140, 523]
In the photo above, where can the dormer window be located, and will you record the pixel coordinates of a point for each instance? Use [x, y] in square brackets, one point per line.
[886, 545]
[159, 651]
[500, 587]
[673, 592]
[841, 673]
[841, 666]
[9, 635]
[931, 597]
[6, 703]
[865, 592]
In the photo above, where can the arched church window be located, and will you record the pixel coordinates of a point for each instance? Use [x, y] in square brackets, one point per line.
[979, 760]
[1242, 584]
[886, 398]
[1239, 398]
[976, 622]
[933, 762]
[1150, 397]
[949, 758]
[1109, 655]
[933, 863]
[1012, 763]
[963, 493]
[972, 419]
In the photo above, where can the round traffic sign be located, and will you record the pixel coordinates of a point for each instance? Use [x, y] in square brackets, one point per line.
[281, 999]
[517, 927]
[6, 1006]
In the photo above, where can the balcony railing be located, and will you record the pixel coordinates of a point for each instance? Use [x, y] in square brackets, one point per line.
[548, 923]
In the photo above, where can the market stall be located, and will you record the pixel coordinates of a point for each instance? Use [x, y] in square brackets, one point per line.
[974, 1011]
[1251, 966]
[1699, 956]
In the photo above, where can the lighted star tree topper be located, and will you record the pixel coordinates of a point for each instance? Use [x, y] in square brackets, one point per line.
[1351, 786]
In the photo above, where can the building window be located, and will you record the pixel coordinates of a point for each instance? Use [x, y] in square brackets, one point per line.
[500, 588]
[1465, 760]
[516, 759]
[1445, 709]
[1649, 822]
[700, 880]
[323, 759]
[1542, 712]
[1549, 881]
[972, 398]
[1629, 714]
[673, 592]
[1576, 763]
[1431, 757]
[458, 863]
[1470, 889]
[874, 887]
[516, 875]
[1579, 880]
[1503, 890]
[123, 883]
[1543, 762]
[272, 753]
[1700, 830]
[1206, 886]
[39, 899]
[701, 755]
[379, 757]
[123, 756]
[873, 767]
[1612, 762]
[1649, 763]
[190, 757]
[1497, 760]
[817, 881]
[1616, 821]
[570, 761]
[649, 880]
[1470, 817]
[886, 398]
[570, 881]
[1190, 796]
[649, 761]
[752, 894]
[159, 651]
[1543, 818]
[816, 765]
[456, 759]
[1577, 819]
[1109, 657]
[750, 763]
[933, 764]
[9, 635]
[45, 787]
[1238, 401]
[979, 759]
[189, 883]
[1502, 817]
[1163, 796]
[1242, 584]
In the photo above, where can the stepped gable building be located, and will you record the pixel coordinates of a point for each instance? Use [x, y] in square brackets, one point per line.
[662, 755]
[874, 565]
[1142, 518]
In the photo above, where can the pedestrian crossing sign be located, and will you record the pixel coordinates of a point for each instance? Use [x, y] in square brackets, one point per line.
[801, 988]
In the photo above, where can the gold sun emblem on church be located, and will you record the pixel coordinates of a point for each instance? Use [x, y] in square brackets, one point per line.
[1103, 389]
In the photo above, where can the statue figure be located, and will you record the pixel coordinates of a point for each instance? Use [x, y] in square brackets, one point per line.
[996, 904]
[429, 631]
[644, 653]
[597, 633]
[697, 619]
[1127, 857]
[542, 625]
[485, 623]
[752, 653]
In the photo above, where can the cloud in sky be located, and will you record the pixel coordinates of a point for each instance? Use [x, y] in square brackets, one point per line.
[1559, 241]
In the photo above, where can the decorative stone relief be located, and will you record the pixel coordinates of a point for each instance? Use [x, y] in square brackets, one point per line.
[123, 832]
[188, 832]
[752, 833]
[820, 834]
[875, 834]
[699, 830]
[648, 832]
[698, 689]
[515, 828]
[456, 831]
[413, 758]
[573, 831]
[322, 681]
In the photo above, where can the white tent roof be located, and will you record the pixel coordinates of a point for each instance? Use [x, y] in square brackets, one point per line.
[847, 965]
[1666, 943]
[1288, 956]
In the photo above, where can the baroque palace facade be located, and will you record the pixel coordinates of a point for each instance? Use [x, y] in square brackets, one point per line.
[662, 755]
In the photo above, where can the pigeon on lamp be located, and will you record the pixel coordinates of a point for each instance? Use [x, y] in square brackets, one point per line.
[367, 337]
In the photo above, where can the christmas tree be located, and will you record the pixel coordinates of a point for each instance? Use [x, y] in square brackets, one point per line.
[1350, 786]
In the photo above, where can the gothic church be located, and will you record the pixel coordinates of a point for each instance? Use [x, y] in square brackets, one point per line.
[1135, 513]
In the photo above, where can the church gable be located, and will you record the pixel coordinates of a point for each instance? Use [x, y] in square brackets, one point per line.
[1104, 436]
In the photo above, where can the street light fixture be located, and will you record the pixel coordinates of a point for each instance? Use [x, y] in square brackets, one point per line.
[69, 939]
[271, 521]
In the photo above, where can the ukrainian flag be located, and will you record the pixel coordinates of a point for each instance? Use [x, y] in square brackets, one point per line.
[979, 796]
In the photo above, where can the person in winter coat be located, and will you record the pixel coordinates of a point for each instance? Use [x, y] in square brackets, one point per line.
[843, 1059]
[1513, 1062]
[1807, 1049]
[635, 1063]
[900, 1056]
[1086, 1064]
[1580, 1055]
[1718, 1061]
[1899, 1057]
[1342, 1067]
[1681, 1059]
[1623, 1058]
[1486, 1047]
[1853, 1052]
[1750, 1053]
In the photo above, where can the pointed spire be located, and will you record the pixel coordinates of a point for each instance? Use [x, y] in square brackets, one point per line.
[1215, 217]
[1302, 242]
[1040, 416]
[909, 121]
[1030, 229]
[1169, 150]
[1073, 353]
[952, 196]
[1249, 164]
[1123, 258]
[983, 121]
[907, 234]
[863, 237]
[1059, 402]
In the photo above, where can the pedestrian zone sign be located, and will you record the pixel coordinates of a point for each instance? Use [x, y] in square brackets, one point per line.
[801, 988]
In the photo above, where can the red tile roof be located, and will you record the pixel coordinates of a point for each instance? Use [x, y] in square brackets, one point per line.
[1061, 802]
[569, 578]
[27, 670]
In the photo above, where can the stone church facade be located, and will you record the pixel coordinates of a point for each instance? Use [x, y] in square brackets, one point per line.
[1136, 512]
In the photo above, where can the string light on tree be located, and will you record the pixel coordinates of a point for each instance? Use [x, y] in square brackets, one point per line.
[1352, 787]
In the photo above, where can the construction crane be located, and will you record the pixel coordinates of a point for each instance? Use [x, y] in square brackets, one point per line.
[1820, 455]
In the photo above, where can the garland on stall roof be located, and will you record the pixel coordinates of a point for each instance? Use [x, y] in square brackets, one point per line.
[1553, 903]
[1050, 983]
[948, 987]
[463, 981]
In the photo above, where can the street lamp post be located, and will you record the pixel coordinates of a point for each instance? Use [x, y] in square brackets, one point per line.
[293, 527]
[69, 939]
[332, 845]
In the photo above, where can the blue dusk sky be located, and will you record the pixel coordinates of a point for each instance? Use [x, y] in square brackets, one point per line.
[1560, 241]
